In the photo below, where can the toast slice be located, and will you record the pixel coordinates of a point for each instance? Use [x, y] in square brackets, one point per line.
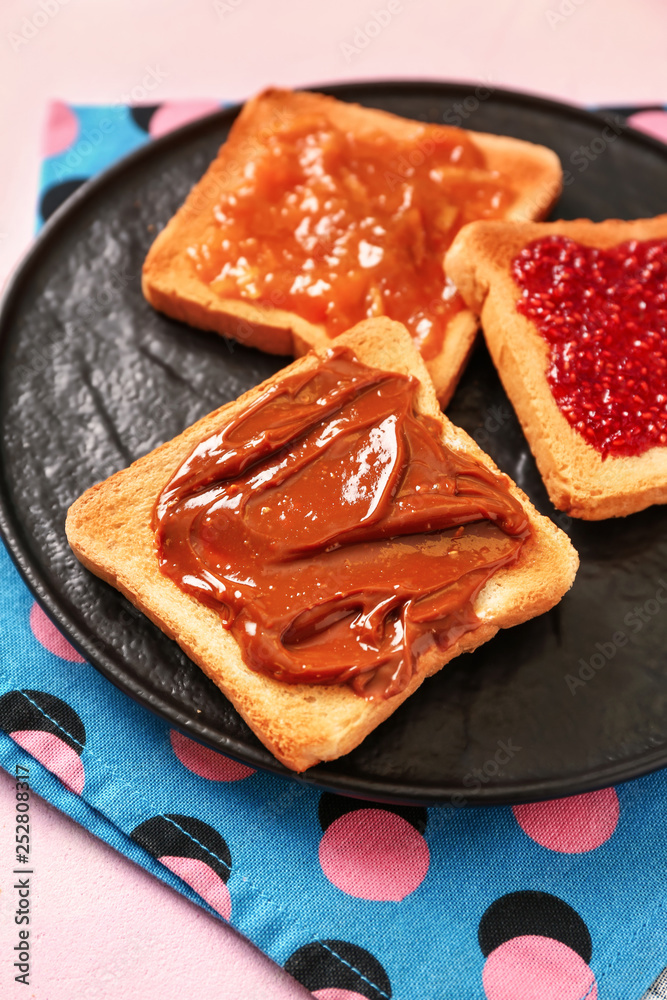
[577, 476]
[109, 529]
[172, 285]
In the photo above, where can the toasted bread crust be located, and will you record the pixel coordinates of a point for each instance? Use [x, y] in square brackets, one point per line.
[109, 529]
[578, 480]
[171, 286]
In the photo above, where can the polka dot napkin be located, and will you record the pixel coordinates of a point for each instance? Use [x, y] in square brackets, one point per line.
[557, 901]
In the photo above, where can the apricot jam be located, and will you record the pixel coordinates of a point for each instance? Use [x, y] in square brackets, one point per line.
[336, 535]
[337, 228]
[603, 313]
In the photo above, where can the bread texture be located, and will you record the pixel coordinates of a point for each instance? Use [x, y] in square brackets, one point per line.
[109, 529]
[577, 478]
[171, 285]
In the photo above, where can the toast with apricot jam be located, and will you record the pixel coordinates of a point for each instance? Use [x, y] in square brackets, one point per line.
[318, 213]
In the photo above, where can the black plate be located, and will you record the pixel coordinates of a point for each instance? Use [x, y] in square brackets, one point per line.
[92, 378]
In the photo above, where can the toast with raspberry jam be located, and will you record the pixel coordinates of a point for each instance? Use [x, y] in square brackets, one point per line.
[575, 318]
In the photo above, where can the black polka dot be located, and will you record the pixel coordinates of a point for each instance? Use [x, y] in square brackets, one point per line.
[332, 807]
[185, 837]
[55, 195]
[531, 912]
[20, 710]
[142, 114]
[339, 965]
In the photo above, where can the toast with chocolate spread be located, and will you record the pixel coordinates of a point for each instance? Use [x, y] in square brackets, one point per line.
[323, 498]
[575, 319]
[266, 251]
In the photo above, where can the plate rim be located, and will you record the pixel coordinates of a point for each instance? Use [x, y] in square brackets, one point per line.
[35, 576]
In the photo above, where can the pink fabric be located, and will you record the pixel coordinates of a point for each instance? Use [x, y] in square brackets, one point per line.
[173, 114]
[374, 854]
[54, 754]
[61, 129]
[48, 635]
[203, 880]
[537, 968]
[336, 994]
[571, 826]
[205, 762]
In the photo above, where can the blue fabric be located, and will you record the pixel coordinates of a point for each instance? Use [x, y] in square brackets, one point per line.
[104, 134]
[293, 883]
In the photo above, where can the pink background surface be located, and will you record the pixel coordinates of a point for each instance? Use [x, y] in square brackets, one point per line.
[104, 928]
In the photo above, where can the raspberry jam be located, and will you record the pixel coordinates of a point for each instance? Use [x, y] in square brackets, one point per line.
[604, 314]
[337, 227]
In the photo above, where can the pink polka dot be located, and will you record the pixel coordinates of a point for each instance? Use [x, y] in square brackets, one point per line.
[374, 854]
[653, 122]
[48, 635]
[203, 880]
[333, 993]
[171, 116]
[54, 754]
[571, 826]
[62, 128]
[537, 968]
[205, 762]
